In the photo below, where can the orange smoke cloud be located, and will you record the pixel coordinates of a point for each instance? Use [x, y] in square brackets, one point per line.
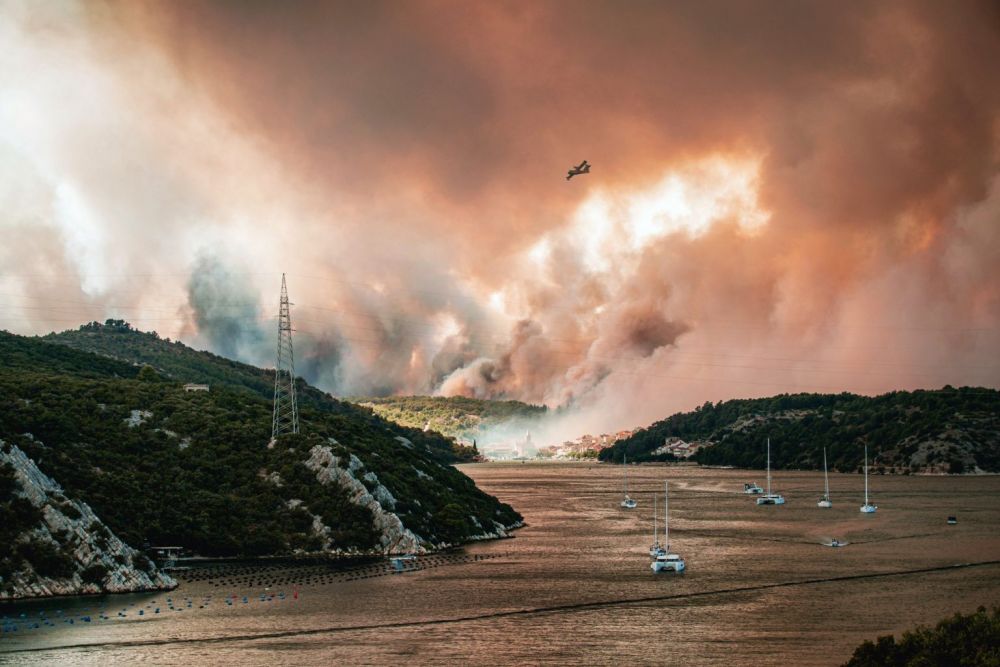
[785, 196]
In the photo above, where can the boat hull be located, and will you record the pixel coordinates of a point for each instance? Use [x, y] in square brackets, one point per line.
[771, 500]
[824, 504]
[660, 567]
[868, 509]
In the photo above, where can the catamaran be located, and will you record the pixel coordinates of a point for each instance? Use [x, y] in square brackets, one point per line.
[627, 502]
[752, 489]
[825, 500]
[656, 549]
[666, 561]
[867, 508]
[770, 498]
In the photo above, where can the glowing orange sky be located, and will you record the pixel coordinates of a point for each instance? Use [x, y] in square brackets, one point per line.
[785, 196]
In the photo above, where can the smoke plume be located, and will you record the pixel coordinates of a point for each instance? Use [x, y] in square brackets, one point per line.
[785, 196]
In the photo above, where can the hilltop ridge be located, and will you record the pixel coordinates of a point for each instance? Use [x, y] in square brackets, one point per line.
[952, 430]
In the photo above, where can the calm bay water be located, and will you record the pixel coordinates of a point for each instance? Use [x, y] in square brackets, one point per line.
[575, 584]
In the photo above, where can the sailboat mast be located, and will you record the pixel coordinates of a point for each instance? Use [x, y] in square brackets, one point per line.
[625, 478]
[826, 476]
[654, 518]
[666, 519]
[768, 466]
[866, 474]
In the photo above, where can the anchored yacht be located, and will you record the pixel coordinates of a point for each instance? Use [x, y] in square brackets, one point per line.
[867, 508]
[770, 498]
[627, 502]
[825, 500]
[666, 561]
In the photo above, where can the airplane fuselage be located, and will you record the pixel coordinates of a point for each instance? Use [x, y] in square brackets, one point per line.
[583, 168]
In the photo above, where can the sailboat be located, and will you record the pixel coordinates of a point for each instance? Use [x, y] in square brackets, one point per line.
[867, 508]
[666, 561]
[825, 500]
[656, 549]
[627, 502]
[770, 498]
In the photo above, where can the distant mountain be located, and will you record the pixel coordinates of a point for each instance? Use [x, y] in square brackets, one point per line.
[948, 430]
[456, 416]
[162, 465]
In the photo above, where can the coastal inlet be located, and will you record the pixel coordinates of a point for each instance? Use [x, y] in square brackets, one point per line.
[575, 584]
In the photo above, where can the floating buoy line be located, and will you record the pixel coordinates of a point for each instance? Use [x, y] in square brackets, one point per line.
[272, 583]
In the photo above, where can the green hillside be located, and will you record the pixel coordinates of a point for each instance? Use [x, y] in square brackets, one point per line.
[455, 416]
[165, 466]
[117, 340]
[949, 430]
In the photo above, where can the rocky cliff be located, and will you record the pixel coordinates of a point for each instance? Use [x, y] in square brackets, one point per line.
[58, 546]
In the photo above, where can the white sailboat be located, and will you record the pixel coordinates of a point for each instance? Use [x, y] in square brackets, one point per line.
[751, 488]
[627, 502]
[666, 561]
[867, 508]
[825, 500]
[770, 498]
[656, 549]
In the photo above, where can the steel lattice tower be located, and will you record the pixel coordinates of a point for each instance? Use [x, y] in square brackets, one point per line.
[286, 410]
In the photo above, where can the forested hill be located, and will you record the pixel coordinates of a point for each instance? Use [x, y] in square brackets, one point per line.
[116, 339]
[455, 416]
[159, 464]
[947, 430]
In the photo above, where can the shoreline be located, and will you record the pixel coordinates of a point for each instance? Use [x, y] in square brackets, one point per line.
[197, 562]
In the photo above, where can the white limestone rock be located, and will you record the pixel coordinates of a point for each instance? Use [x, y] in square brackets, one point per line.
[394, 537]
[137, 417]
[73, 524]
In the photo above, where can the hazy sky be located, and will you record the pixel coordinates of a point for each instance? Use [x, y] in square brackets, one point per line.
[785, 196]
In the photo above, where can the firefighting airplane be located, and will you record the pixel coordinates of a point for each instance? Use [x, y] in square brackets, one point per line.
[583, 168]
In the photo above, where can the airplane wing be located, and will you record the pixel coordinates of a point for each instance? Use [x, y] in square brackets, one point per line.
[584, 164]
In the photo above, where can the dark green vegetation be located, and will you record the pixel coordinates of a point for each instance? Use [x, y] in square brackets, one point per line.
[176, 361]
[193, 468]
[454, 416]
[959, 641]
[949, 430]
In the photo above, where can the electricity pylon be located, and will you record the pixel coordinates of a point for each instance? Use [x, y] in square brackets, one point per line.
[286, 411]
